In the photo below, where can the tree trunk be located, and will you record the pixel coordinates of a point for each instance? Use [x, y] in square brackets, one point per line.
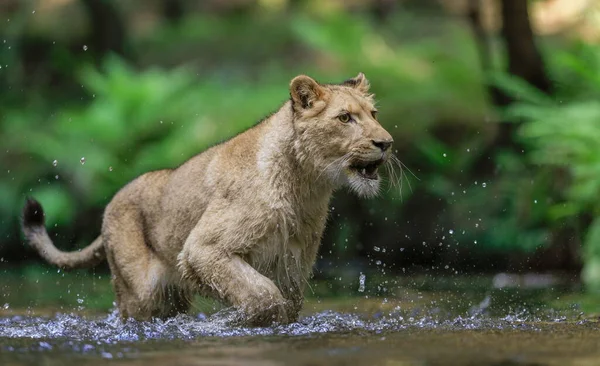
[524, 61]
[107, 29]
[382, 9]
[173, 10]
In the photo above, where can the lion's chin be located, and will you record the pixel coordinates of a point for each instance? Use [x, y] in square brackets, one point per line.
[363, 186]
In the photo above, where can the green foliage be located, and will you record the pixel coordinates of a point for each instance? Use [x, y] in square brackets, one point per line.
[591, 271]
[504, 213]
[519, 89]
[564, 135]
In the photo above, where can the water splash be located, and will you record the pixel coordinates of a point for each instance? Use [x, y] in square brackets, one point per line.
[111, 329]
[109, 337]
[361, 282]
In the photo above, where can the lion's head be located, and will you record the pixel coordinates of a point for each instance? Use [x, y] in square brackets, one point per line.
[338, 132]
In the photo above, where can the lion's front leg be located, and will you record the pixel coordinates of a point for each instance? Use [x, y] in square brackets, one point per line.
[235, 282]
[293, 292]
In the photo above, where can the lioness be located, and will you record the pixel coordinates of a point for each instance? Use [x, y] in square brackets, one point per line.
[242, 221]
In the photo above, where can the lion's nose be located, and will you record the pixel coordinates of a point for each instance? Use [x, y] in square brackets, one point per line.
[383, 144]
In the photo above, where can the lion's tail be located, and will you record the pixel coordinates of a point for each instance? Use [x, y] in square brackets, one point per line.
[37, 236]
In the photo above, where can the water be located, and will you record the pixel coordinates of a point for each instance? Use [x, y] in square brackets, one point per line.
[110, 330]
[317, 339]
[425, 321]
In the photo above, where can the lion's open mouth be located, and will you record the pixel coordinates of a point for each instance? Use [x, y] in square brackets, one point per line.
[366, 169]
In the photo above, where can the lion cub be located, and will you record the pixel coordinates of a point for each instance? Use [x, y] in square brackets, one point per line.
[242, 221]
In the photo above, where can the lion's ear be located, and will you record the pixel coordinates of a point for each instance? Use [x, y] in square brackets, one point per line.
[359, 82]
[305, 91]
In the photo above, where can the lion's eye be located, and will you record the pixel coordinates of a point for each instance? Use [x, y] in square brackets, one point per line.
[345, 118]
[374, 114]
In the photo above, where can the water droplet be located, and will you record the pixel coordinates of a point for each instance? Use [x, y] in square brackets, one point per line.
[451, 231]
[82, 160]
[376, 249]
[483, 185]
[534, 201]
[56, 176]
[446, 266]
[85, 47]
[110, 168]
[6, 306]
[361, 282]
[444, 154]
[55, 162]
[80, 301]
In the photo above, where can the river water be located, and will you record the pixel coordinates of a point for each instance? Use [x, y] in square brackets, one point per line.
[411, 326]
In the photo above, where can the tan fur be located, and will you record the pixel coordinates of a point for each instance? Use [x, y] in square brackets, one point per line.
[242, 221]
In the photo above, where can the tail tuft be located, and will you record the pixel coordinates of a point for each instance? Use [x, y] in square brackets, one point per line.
[36, 235]
[33, 213]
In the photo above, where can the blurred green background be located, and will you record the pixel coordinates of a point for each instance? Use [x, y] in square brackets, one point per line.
[494, 107]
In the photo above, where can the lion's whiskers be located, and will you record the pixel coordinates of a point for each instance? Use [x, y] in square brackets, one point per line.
[391, 164]
[342, 165]
[400, 163]
[391, 174]
[340, 160]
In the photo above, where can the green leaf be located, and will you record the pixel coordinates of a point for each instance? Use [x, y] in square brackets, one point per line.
[519, 88]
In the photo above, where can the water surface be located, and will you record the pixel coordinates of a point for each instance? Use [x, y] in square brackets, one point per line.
[412, 322]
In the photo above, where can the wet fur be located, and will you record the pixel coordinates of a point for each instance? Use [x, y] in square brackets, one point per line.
[240, 222]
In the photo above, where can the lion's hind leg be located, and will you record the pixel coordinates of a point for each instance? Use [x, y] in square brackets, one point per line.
[141, 280]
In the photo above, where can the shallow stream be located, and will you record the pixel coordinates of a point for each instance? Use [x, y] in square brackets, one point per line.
[464, 321]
